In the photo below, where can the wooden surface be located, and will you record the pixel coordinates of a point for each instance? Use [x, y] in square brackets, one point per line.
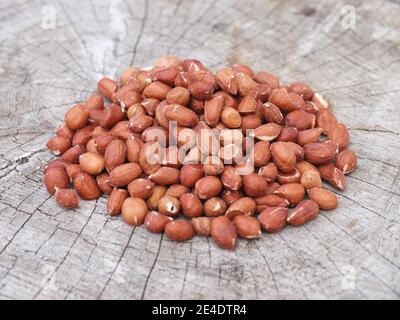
[47, 252]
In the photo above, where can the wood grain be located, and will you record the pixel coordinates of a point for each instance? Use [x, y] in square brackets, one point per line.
[50, 253]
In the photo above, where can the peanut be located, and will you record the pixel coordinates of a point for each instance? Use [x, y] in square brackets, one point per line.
[223, 232]
[134, 211]
[216, 148]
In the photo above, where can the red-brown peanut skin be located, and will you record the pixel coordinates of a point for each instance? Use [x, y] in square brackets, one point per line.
[91, 146]
[58, 145]
[243, 205]
[115, 154]
[231, 179]
[207, 187]
[333, 176]
[214, 207]
[183, 116]
[95, 101]
[86, 186]
[67, 198]
[318, 153]
[141, 188]
[288, 134]
[72, 154]
[273, 219]
[115, 201]
[326, 120]
[300, 119]
[339, 134]
[271, 200]
[170, 206]
[77, 117]
[230, 196]
[92, 163]
[72, 170]
[247, 227]
[55, 178]
[155, 222]
[106, 86]
[325, 198]
[134, 211]
[125, 173]
[102, 141]
[190, 174]
[54, 164]
[82, 136]
[191, 205]
[269, 172]
[346, 161]
[283, 156]
[177, 191]
[254, 185]
[223, 232]
[179, 230]
[133, 146]
[305, 211]
[293, 192]
[65, 132]
[165, 176]
[202, 225]
[103, 182]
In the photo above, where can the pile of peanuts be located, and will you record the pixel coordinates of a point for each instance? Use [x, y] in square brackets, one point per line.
[185, 151]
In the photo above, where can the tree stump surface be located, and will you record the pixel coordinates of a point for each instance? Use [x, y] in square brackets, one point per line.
[50, 253]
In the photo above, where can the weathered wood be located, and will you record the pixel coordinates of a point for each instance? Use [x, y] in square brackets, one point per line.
[47, 252]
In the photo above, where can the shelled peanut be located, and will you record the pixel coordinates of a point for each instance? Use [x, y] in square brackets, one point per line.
[185, 151]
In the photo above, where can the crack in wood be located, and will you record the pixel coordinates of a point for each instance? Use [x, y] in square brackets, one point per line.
[140, 32]
[151, 268]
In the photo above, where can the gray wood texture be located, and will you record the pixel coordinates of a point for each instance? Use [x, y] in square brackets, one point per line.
[50, 253]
